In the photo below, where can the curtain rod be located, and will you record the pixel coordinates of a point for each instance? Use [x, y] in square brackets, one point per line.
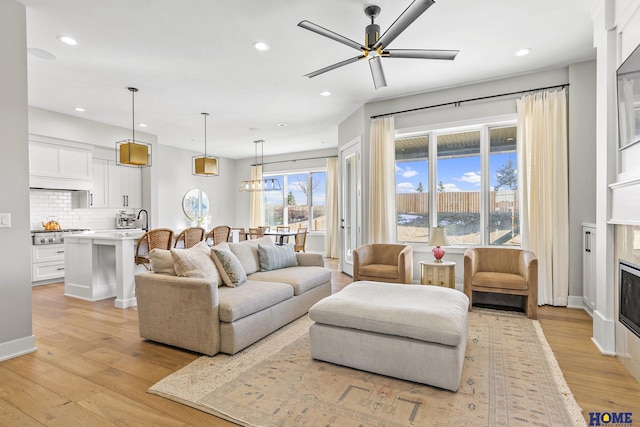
[457, 103]
[293, 160]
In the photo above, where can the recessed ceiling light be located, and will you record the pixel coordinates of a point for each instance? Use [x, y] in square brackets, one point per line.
[142, 125]
[325, 93]
[282, 125]
[523, 52]
[80, 109]
[254, 129]
[68, 40]
[41, 53]
[261, 46]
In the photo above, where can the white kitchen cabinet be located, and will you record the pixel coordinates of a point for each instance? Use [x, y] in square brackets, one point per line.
[47, 262]
[99, 196]
[589, 267]
[125, 186]
[59, 166]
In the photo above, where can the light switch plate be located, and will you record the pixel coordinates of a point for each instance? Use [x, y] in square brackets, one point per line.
[5, 220]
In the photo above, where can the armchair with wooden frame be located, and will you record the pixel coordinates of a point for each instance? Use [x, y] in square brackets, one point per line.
[189, 237]
[383, 262]
[301, 239]
[218, 234]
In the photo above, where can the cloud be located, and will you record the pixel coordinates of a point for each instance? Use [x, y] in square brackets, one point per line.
[408, 172]
[450, 188]
[405, 187]
[470, 178]
[398, 169]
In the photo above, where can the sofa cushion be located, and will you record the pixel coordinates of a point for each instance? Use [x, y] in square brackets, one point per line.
[253, 296]
[379, 270]
[300, 278]
[273, 257]
[162, 261]
[230, 268]
[247, 253]
[195, 262]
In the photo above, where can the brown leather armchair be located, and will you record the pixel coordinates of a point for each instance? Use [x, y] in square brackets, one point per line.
[383, 262]
[503, 271]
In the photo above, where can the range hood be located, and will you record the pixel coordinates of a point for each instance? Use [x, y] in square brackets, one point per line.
[36, 182]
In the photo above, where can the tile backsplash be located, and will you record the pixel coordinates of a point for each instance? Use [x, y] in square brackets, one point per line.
[59, 205]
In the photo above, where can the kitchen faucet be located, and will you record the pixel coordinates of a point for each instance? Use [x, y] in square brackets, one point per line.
[146, 219]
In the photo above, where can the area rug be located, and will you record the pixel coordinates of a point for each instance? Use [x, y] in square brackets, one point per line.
[510, 378]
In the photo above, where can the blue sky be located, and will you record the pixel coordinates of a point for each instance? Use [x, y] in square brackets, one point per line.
[319, 197]
[457, 174]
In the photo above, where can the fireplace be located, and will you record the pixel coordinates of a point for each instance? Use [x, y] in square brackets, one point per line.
[629, 280]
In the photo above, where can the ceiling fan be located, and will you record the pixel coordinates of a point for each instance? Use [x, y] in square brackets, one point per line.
[376, 45]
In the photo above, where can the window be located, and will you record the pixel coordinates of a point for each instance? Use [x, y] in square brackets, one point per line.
[466, 178]
[304, 196]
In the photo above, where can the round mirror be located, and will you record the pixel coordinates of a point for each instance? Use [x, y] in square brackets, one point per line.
[195, 205]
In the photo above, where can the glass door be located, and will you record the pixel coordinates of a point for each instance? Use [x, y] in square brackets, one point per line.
[351, 203]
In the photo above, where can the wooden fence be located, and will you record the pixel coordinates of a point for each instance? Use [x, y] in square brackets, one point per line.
[456, 201]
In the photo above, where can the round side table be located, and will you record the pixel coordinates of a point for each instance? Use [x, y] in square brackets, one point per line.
[438, 273]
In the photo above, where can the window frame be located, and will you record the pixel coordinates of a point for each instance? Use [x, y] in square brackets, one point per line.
[483, 125]
[285, 185]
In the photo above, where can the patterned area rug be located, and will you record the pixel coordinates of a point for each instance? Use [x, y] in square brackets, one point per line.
[510, 378]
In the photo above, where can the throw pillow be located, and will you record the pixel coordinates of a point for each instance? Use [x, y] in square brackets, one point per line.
[247, 253]
[230, 268]
[195, 262]
[274, 257]
[162, 261]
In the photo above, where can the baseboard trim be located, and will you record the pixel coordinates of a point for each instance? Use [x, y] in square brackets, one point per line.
[604, 334]
[575, 302]
[19, 347]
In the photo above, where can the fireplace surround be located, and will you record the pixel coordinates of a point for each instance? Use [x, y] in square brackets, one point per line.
[629, 304]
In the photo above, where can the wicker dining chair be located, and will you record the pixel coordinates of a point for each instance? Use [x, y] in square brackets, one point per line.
[160, 238]
[256, 233]
[219, 234]
[242, 235]
[283, 228]
[301, 239]
[190, 236]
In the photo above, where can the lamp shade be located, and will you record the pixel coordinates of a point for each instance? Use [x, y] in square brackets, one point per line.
[205, 165]
[438, 237]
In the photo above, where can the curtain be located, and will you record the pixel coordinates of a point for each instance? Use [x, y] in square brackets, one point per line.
[257, 199]
[382, 212]
[543, 163]
[332, 232]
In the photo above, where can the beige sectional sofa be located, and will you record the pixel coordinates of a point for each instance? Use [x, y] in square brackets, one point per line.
[198, 314]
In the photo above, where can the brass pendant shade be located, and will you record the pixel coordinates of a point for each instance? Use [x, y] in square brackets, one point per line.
[205, 165]
[131, 152]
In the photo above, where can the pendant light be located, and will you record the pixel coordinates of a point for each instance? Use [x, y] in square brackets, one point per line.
[131, 152]
[205, 165]
[263, 184]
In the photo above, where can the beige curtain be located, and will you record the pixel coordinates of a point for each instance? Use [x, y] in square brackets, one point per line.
[332, 232]
[382, 212]
[543, 175]
[257, 199]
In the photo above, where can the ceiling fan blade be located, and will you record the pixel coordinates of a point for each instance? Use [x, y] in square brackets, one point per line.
[330, 34]
[375, 63]
[334, 66]
[421, 53]
[410, 14]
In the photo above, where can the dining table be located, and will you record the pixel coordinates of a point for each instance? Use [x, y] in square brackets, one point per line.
[280, 235]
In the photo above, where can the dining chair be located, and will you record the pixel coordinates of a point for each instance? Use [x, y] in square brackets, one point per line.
[242, 235]
[256, 233]
[301, 239]
[160, 238]
[283, 228]
[189, 237]
[219, 234]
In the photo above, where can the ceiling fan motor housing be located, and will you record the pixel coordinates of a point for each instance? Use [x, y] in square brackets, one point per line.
[372, 34]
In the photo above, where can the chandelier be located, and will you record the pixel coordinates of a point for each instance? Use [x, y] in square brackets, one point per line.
[260, 184]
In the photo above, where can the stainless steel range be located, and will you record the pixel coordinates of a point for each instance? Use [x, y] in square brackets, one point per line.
[52, 237]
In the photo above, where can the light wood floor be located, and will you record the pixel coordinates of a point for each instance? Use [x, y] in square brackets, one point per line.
[92, 368]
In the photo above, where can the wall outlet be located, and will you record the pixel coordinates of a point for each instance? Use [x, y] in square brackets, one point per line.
[5, 220]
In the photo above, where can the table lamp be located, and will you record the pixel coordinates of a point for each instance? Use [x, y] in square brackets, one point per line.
[438, 239]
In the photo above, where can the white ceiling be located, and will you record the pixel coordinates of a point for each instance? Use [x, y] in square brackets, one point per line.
[193, 56]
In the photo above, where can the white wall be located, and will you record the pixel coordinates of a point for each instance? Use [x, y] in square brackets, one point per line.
[15, 252]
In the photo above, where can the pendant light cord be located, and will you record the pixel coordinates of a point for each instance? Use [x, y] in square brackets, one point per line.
[133, 113]
[205, 133]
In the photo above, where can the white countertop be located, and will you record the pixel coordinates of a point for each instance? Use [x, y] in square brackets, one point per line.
[122, 234]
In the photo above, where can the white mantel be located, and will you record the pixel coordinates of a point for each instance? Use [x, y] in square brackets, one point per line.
[625, 202]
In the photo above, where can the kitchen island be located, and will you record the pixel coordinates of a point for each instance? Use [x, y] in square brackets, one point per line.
[101, 265]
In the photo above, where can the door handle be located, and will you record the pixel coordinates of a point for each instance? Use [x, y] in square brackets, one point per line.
[342, 223]
[90, 199]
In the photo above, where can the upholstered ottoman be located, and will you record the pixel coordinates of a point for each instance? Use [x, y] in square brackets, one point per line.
[416, 333]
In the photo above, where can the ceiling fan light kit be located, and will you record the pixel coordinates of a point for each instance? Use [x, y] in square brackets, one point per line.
[376, 45]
